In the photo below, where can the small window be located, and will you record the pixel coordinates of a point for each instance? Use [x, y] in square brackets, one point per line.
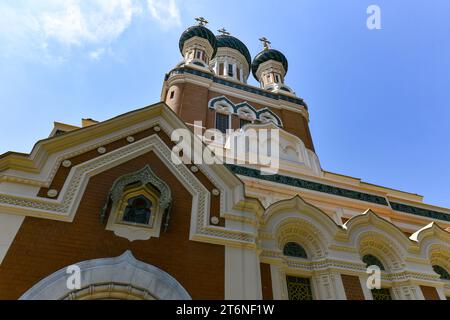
[371, 260]
[381, 294]
[299, 288]
[230, 70]
[199, 54]
[172, 94]
[293, 249]
[138, 210]
[444, 275]
[222, 122]
[238, 74]
[277, 78]
[221, 69]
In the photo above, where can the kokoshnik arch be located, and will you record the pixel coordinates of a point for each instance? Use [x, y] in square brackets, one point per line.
[107, 197]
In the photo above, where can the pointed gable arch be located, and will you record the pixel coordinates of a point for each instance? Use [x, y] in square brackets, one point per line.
[247, 109]
[372, 235]
[225, 105]
[222, 104]
[267, 115]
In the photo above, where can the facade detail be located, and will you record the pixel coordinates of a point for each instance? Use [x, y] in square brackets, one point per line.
[142, 221]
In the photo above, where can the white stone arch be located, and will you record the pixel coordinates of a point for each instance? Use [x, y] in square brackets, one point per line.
[297, 221]
[371, 234]
[121, 277]
[222, 105]
[376, 244]
[246, 111]
[304, 233]
[434, 244]
[265, 115]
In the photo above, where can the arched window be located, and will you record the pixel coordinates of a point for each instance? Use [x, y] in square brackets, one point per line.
[138, 210]
[293, 249]
[371, 260]
[442, 272]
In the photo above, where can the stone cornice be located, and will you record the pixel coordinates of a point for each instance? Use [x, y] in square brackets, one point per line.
[243, 87]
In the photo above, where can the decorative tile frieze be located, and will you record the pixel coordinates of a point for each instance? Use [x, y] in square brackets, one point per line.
[420, 211]
[239, 86]
[304, 184]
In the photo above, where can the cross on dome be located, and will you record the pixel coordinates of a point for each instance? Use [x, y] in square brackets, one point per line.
[266, 43]
[224, 32]
[201, 21]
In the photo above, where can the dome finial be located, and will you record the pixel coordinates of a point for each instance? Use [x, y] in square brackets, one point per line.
[266, 43]
[201, 21]
[224, 32]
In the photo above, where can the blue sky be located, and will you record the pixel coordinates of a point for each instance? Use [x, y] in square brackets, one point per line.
[378, 98]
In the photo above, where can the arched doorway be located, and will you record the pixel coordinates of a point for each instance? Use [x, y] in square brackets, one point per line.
[122, 277]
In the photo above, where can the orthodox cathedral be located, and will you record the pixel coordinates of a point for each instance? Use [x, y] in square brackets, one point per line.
[102, 211]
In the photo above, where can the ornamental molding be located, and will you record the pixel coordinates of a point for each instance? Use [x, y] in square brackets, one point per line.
[145, 176]
[223, 103]
[233, 86]
[309, 185]
[62, 157]
[105, 276]
[65, 207]
[160, 211]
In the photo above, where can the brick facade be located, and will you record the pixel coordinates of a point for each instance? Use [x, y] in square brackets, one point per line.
[42, 246]
[352, 286]
[430, 293]
[190, 103]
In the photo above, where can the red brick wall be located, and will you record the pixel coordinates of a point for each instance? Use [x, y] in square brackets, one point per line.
[191, 104]
[42, 247]
[430, 293]
[266, 282]
[352, 286]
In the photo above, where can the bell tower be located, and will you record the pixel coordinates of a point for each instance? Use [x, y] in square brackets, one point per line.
[270, 67]
[210, 85]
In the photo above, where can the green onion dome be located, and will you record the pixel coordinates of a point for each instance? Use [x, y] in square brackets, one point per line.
[226, 41]
[199, 31]
[267, 55]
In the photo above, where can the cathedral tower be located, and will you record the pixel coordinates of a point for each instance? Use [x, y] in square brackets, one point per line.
[210, 85]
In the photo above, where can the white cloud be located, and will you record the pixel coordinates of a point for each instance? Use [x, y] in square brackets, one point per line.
[52, 28]
[94, 21]
[97, 54]
[165, 12]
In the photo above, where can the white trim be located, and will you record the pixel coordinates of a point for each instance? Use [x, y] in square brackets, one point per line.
[9, 226]
[124, 269]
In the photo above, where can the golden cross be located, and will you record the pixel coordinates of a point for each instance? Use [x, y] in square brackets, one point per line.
[224, 32]
[265, 42]
[201, 21]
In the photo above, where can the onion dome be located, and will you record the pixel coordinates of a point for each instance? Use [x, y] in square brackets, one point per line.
[199, 31]
[227, 41]
[266, 55]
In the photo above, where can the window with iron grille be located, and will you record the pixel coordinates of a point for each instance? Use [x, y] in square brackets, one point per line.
[293, 249]
[381, 294]
[222, 122]
[441, 272]
[299, 288]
